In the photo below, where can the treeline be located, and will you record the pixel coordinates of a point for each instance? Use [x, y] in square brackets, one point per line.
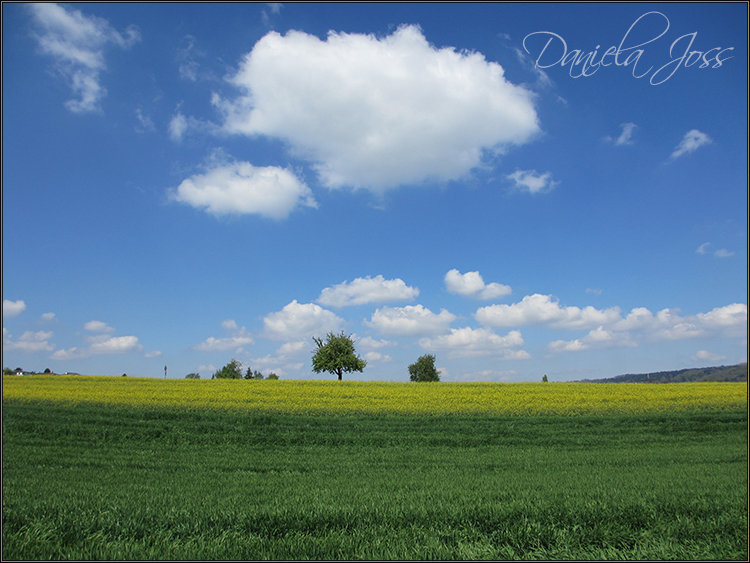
[721, 373]
[233, 370]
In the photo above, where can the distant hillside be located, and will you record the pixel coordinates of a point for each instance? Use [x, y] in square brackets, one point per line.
[721, 373]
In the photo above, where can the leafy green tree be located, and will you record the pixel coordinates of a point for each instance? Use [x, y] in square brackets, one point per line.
[544, 379]
[233, 370]
[424, 369]
[193, 376]
[8, 371]
[272, 375]
[337, 355]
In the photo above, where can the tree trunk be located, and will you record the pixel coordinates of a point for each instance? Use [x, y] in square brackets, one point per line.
[339, 372]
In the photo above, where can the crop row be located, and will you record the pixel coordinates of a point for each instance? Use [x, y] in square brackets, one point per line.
[355, 397]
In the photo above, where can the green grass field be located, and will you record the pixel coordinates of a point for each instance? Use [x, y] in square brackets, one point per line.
[87, 482]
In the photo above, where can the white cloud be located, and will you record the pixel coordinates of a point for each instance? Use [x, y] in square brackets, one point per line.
[77, 42]
[469, 342]
[377, 357]
[188, 66]
[471, 284]
[594, 291]
[625, 135]
[291, 348]
[154, 354]
[532, 182]
[74, 353]
[705, 355]
[98, 326]
[597, 338]
[367, 290]
[369, 342]
[300, 321]
[541, 309]
[48, 316]
[237, 338]
[412, 320]
[376, 113]
[13, 308]
[180, 126]
[28, 341]
[692, 140]
[641, 325]
[100, 343]
[116, 345]
[729, 316]
[720, 253]
[145, 122]
[241, 188]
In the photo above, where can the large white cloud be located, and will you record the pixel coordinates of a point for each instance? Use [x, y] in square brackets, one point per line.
[367, 290]
[468, 342]
[541, 309]
[377, 113]
[28, 341]
[641, 325]
[13, 308]
[412, 320]
[240, 188]
[471, 284]
[298, 321]
[77, 42]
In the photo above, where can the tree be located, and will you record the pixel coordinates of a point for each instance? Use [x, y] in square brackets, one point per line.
[337, 355]
[8, 371]
[233, 370]
[272, 375]
[193, 376]
[424, 369]
[544, 379]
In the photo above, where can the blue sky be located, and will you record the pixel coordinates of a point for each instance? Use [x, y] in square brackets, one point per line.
[494, 184]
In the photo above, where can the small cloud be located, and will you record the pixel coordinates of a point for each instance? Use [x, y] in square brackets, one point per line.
[692, 140]
[13, 308]
[48, 317]
[145, 122]
[98, 326]
[188, 66]
[471, 284]
[76, 42]
[412, 320]
[274, 7]
[592, 291]
[28, 341]
[237, 188]
[532, 182]
[154, 354]
[377, 357]
[237, 338]
[705, 355]
[116, 345]
[625, 135]
[703, 248]
[367, 290]
[723, 253]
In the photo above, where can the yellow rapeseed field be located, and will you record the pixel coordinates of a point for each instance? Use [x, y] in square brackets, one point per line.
[357, 397]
